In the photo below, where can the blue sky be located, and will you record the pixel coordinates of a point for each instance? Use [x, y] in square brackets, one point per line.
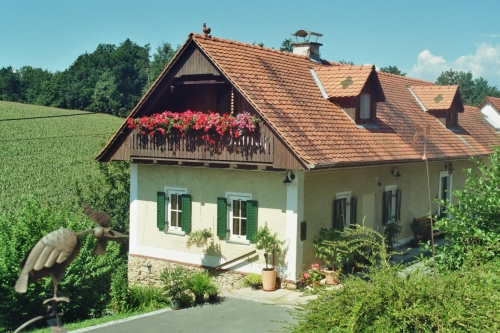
[422, 38]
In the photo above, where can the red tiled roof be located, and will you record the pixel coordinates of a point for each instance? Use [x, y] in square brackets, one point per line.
[281, 88]
[435, 97]
[495, 101]
[343, 80]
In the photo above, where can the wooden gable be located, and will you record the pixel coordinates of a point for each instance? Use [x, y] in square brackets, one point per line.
[193, 82]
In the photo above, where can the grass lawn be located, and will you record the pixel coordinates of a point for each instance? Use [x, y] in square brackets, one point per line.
[44, 151]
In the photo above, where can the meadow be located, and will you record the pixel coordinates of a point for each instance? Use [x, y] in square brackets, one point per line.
[45, 151]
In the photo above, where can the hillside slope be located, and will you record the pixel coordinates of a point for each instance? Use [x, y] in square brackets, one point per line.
[45, 151]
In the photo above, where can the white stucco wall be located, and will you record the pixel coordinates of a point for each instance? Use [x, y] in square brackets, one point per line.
[491, 115]
[204, 185]
[321, 188]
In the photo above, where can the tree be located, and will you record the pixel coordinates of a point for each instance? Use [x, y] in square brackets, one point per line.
[472, 91]
[164, 53]
[473, 226]
[286, 46]
[392, 70]
[10, 87]
[345, 62]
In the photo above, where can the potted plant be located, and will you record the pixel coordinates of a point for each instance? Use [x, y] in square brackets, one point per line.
[253, 280]
[212, 292]
[199, 237]
[313, 276]
[271, 245]
[199, 283]
[174, 283]
[331, 248]
[391, 231]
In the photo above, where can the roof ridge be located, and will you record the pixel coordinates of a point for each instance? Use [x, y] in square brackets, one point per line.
[405, 77]
[235, 42]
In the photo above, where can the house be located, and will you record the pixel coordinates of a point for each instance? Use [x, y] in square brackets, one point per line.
[490, 108]
[336, 145]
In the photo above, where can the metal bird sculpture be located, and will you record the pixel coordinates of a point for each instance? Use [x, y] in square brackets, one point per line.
[206, 30]
[52, 254]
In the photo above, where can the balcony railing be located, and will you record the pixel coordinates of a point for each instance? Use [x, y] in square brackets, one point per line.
[251, 147]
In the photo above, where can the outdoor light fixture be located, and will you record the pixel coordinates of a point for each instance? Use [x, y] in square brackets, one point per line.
[395, 173]
[289, 177]
[448, 166]
[149, 267]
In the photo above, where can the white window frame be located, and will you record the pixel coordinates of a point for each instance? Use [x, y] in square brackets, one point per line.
[443, 174]
[230, 197]
[347, 213]
[168, 208]
[392, 216]
[365, 106]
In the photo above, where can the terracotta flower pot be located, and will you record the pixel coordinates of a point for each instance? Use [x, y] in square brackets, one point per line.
[332, 277]
[269, 279]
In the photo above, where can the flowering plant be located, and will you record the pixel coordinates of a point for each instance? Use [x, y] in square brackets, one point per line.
[206, 123]
[313, 275]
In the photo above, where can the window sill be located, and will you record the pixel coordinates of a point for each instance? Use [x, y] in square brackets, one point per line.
[175, 232]
[238, 241]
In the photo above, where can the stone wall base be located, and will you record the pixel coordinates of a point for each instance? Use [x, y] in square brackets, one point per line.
[139, 274]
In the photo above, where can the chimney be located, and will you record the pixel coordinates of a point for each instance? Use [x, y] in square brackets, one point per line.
[306, 47]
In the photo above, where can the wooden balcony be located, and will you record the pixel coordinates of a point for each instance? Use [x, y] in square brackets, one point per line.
[251, 148]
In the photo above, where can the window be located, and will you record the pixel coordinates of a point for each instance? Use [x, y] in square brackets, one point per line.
[444, 190]
[391, 205]
[344, 210]
[365, 107]
[174, 210]
[237, 217]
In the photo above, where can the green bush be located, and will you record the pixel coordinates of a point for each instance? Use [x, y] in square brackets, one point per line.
[252, 278]
[86, 282]
[473, 231]
[147, 299]
[200, 283]
[386, 300]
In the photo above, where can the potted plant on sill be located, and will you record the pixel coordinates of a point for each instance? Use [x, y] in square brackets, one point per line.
[330, 247]
[271, 245]
[200, 283]
[253, 280]
[174, 283]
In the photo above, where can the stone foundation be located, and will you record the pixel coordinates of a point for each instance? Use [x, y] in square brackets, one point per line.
[139, 274]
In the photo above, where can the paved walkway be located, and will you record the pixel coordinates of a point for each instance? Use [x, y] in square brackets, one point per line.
[244, 311]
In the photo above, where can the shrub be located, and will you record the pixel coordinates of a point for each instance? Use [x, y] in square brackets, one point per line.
[252, 278]
[473, 231]
[147, 298]
[395, 298]
[200, 283]
[174, 281]
[268, 242]
[86, 282]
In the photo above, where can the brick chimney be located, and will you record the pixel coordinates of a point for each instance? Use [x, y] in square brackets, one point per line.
[306, 47]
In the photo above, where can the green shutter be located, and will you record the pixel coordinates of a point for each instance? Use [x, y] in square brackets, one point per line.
[338, 223]
[386, 206]
[251, 219]
[160, 210]
[221, 217]
[398, 205]
[354, 210]
[186, 213]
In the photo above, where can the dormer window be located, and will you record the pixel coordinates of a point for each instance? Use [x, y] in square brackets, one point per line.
[443, 102]
[365, 108]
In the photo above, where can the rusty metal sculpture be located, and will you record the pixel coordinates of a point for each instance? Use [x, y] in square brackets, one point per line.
[52, 254]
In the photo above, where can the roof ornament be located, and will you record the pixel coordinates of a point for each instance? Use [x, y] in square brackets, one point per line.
[206, 30]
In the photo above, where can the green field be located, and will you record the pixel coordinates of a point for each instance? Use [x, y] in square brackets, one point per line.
[45, 156]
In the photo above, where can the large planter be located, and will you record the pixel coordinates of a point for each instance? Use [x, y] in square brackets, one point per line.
[268, 279]
[175, 304]
[332, 277]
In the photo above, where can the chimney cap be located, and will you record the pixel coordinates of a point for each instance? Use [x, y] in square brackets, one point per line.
[305, 33]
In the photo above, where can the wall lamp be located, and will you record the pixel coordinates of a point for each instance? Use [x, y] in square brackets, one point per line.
[289, 177]
[448, 166]
[395, 173]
